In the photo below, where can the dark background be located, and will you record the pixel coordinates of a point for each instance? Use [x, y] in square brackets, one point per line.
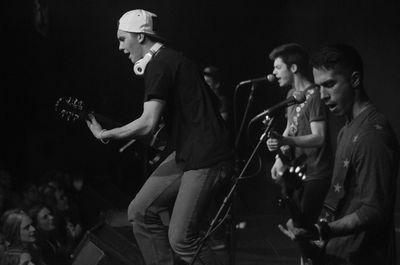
[77, 56]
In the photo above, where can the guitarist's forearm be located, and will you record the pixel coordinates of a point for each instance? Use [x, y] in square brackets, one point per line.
[315, 139]
[349, 224]
[286, 132]
[305, 141]
[133, 130]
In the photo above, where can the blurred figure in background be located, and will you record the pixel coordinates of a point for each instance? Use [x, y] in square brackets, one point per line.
[30, 196]
[213, 78]
[9, 199]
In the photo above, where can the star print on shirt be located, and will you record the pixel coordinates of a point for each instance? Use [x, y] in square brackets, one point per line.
[378, 127]
[337, 187]
[346, 163]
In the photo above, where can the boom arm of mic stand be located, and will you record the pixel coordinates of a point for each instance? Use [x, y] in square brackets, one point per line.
[262, 139]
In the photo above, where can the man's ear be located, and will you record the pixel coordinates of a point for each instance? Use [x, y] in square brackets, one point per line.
[293, 68]
[355, 79]
[141, 38]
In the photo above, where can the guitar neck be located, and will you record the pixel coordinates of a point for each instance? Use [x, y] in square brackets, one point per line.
[108, 121]
[296, 213]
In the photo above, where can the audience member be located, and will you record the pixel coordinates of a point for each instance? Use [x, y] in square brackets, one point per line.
[17, 256]
[8, 197]
[19, 232]
[85, 199]
[3, 242]
[48, 240]
[66, 214]
[30, 196]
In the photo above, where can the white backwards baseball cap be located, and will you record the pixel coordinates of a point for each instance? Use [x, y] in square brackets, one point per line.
[139, 21]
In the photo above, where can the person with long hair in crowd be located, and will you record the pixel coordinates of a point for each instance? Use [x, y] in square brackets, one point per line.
[48, 240]
[66, 216]
[19, 232]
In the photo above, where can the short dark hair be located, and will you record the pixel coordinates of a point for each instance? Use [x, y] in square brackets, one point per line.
[292, 53]
[340, 57]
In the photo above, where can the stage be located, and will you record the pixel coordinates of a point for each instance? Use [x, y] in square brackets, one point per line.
[258, 241]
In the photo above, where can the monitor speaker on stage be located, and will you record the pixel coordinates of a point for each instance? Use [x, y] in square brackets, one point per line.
[103, 245]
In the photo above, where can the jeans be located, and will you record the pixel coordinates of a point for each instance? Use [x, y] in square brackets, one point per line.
[188, 195]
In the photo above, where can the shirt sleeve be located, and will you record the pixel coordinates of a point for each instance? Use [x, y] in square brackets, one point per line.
[317, 109]
[376, 167]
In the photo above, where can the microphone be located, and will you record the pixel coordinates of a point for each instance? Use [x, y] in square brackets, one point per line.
[269, 78]
[297, 97]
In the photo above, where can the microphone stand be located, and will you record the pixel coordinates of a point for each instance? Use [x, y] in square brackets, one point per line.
[233, 192]
[231, 225]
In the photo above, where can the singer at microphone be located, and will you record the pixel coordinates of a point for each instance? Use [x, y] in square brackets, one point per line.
[269, 78]
[297, 98]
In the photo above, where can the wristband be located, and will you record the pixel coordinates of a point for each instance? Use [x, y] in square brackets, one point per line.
[101, 139]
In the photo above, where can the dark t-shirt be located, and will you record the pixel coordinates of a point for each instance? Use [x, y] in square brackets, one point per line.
[320, 159]
[196, 129]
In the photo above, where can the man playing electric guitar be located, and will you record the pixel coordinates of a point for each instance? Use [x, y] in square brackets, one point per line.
[203, 154]
[357, 224]
[306, 130]
[306, 133]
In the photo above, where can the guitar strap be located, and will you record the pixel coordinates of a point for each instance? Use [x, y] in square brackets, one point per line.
[341, 175]
[294, 121]
[336, 193]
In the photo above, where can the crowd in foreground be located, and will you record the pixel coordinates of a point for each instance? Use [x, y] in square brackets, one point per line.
[40, 223]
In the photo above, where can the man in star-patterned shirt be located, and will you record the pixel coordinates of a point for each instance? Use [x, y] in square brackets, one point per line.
[357, 224]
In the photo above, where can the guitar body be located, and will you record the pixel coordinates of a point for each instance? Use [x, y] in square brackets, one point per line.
[71, 110]
[292, 181]
[291, 178]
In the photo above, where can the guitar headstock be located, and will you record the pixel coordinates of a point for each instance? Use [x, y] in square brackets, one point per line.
[70, 109]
